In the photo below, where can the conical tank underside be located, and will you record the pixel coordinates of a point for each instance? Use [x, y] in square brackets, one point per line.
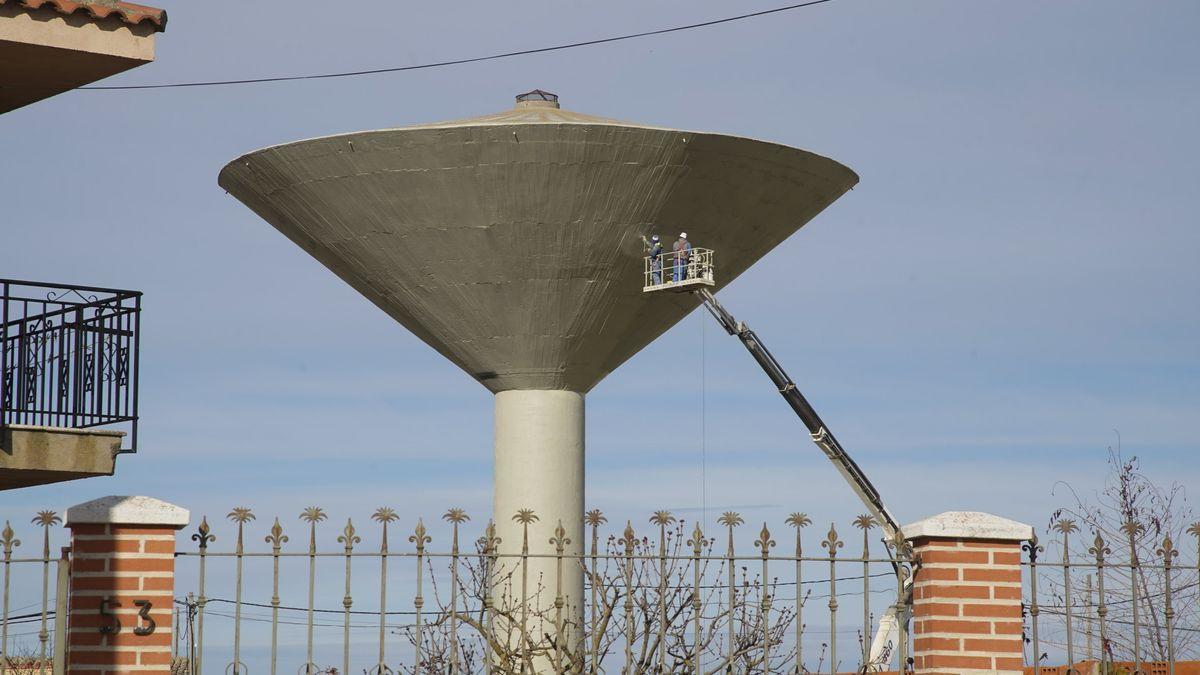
[512, 243]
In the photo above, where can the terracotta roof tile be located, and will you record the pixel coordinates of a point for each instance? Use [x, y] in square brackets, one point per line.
[101, 9]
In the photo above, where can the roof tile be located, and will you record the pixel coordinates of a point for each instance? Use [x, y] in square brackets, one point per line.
[127, 12]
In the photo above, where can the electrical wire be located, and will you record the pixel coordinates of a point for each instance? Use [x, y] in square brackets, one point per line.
[458, 62]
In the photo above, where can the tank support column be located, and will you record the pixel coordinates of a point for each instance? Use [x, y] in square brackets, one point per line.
[539, 467]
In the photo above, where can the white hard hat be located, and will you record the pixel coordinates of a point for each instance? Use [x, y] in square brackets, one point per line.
[683, 235]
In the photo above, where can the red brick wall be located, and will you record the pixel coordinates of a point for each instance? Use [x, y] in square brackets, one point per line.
[967, 607]
[123, 564]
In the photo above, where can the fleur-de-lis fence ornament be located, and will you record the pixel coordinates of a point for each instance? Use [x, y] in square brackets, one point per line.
[764, 542]
[349, 536]
[831, 542]
[1099, 549]
[419, 537]
[203, 535]
[560, 540]
[489, 540]
[8, 540]
[1033, 548]
[1167, 551]
[629, 539]
[697, 541]
[276, 538]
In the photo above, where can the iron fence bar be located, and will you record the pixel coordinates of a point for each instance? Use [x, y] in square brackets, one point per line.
[832, 543]
[312, 515]
[697, 543]
[455, 517]
[1033, 549]
[903, 569]
[559, 540]
[1133, 530]
[349, 538]
[9, 541]
[799, 521]
[5, 387]
[662, 519]
[865, 522]
[1100, 549]
[46, 519]
[525, 517]
[1168, 553]
[204, 537]
[628, 542]
[1089, 652]
[276, 539]
[595, 519]
[385, 515]
[1066, 527]
[730, 520]
[63, 580]
[491, 542]
[241, 516]
[420, 539]
[765, 543]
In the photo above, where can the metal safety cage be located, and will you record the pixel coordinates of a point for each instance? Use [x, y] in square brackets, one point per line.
[678, 270]
[69, 356]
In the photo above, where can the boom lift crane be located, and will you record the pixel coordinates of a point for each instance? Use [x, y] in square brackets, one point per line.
[687, 269]
[887, 636]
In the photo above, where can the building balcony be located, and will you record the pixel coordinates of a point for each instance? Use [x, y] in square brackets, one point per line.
[68, 381]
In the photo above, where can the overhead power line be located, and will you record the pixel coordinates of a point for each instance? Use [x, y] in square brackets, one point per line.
[458, 62]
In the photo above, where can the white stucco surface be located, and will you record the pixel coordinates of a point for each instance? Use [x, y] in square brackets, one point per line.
[968, 525]
[127, 510]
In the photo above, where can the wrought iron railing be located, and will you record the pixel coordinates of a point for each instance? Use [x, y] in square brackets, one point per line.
[1110, 603]
[69, 356]
[663, 597]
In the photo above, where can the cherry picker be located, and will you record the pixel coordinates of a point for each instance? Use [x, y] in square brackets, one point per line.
[697, 277]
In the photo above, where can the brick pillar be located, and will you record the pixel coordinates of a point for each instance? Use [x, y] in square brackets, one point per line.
[967, 594]
[122, 579]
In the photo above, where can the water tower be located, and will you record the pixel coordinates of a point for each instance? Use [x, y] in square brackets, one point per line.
[512, 244]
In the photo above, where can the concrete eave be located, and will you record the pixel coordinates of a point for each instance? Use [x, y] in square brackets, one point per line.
[44, 53]
[38, 455]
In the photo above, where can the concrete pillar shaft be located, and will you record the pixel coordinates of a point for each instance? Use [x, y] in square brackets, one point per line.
[539, 466]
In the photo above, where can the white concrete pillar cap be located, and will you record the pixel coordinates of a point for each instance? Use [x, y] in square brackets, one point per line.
[968, 525]
[124, 510]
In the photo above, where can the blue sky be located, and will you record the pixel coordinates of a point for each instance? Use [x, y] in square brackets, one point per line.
[1014, 277]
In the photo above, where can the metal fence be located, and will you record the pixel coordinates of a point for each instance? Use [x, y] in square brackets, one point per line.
[69, 356]
[667, 597]
[1120, 601]
[30, 629]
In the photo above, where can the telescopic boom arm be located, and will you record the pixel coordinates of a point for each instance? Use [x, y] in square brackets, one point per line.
[821, 435]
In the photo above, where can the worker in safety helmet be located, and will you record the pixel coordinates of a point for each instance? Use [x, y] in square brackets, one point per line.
[655, 247]
[683, 254]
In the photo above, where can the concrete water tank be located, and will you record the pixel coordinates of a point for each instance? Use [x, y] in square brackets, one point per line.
[512, 244]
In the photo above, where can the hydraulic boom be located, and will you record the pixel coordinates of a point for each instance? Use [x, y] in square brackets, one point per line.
[889, 634]
[821, 435]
